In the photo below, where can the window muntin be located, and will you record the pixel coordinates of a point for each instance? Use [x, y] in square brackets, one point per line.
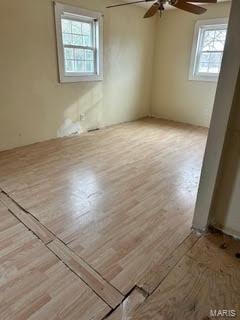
[79, 40]
[208, 47]
[211, 50]
[79, 46]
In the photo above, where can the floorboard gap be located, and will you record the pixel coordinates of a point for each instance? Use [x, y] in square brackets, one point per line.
[109, 294]
[153, 279]
[100, 286]
[132, 301]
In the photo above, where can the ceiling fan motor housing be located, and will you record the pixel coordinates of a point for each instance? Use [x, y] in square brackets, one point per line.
[171, 2]
[158, 5]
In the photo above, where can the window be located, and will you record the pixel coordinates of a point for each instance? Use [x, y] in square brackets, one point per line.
[207, 51]
[80, 44]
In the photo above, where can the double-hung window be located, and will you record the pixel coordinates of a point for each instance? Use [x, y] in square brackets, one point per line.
[80, 43]
[207, 51]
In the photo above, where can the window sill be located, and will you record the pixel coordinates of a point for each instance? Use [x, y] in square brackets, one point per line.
[76, 79]
[203, 78]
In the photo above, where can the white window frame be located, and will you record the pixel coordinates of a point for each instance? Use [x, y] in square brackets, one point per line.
[79, 14]
[197, 39]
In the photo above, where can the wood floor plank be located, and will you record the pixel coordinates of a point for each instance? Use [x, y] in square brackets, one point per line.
[28, 220]
[128, 306]
[122, 198]
[35, 284]
[160, 270]
[108, 293]
[83, 270]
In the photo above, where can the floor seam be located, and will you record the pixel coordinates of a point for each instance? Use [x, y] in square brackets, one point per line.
[82, 279]
[175, 263]
[54, 235]
[90, 266]
[146, 294]
[56, 238]
[46, 244]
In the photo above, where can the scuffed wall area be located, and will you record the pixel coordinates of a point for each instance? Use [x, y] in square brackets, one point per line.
[35, 107]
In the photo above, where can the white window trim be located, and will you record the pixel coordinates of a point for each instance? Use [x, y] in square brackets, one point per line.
[64, 10]
[195, 46]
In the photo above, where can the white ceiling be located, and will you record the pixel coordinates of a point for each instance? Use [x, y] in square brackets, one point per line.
[147, 5]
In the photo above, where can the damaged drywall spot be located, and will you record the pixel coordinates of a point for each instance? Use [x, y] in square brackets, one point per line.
[70, 128]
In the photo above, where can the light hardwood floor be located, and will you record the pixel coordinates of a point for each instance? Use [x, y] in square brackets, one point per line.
[121, 198]
[113, 206]
[35, 284]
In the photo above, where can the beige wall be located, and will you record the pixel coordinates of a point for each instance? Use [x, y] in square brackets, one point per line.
[226, 208]
[34, 106]
[218, 200]
[174, 97]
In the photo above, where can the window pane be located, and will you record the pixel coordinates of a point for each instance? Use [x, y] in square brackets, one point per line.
[79, 66]
[89, 66]
[86, 28]
[214, 40]
[77, 40]
[221, 34]
[68, 53]
[79, 54]
[79, 60]
[220, 38]
[204, 57]
[89, 55]
[77, 33]
[215, 62]
[210, 62]
[87, 41]
[66, 26]
[69, 65]
[210, 51]
[203, 67]
[87, 33]
[67, 38]
[208, 39]
[76, 27]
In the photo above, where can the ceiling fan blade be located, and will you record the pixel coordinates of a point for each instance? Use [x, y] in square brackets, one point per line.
[189, 7]
[153, 10]
[128, 3]
[202, 1]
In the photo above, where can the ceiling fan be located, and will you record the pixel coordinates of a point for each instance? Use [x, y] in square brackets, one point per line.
[186, 5]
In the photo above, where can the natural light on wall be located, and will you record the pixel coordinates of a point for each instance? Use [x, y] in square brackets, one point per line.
[207, 51]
